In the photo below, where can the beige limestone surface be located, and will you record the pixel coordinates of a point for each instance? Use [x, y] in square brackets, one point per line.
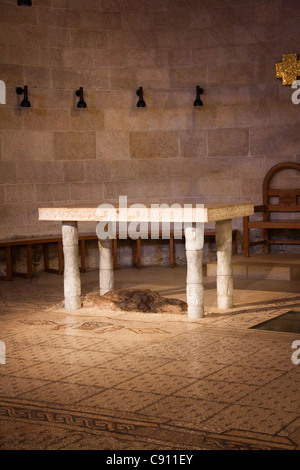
[97, 379]
[200, 212]
[56, 154]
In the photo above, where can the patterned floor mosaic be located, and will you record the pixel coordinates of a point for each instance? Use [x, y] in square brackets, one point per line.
[92, 379]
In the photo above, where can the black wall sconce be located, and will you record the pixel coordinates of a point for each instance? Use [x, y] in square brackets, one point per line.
[198, 101]
[25, 102]
[25, 2]
[141, 103]
[81, 103]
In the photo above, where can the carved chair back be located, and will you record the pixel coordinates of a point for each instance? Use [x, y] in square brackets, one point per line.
[280, 200]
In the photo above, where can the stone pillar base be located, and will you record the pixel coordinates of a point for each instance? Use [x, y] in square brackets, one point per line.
[72, 283]
[194, 241]
[224, 265]
[106, 266]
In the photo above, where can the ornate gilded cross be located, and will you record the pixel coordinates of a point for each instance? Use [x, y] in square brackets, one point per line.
[288, 69]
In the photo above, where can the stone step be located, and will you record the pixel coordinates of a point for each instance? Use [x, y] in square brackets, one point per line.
[283, 267]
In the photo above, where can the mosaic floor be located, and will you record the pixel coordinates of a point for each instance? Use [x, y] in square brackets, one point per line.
[91, 379]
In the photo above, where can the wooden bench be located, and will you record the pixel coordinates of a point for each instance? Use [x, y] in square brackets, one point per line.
[9, 245]
[287, 204]
[46, 241]
[136, 248]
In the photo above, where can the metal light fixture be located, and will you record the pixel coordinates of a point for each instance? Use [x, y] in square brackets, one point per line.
[25, 102]
[141, 103]
[198, 101]
[25, 2]
[81, 103]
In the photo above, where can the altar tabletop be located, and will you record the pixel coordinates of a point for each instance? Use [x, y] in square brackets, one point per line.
[207, 212]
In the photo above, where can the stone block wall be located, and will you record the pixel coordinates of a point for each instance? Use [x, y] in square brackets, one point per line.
[55, 154]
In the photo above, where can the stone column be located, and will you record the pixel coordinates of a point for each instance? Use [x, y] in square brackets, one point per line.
[224, 265]
[72, 284]
[106, 266]
[194, 241]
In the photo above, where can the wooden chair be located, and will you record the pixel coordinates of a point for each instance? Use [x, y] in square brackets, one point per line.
[287, 203]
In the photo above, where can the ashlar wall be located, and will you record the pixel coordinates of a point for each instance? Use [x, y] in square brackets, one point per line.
[55, 154]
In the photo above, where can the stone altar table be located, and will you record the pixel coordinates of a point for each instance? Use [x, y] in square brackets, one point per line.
[221, 214]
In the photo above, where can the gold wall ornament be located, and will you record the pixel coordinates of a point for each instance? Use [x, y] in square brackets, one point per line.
[288, 69]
